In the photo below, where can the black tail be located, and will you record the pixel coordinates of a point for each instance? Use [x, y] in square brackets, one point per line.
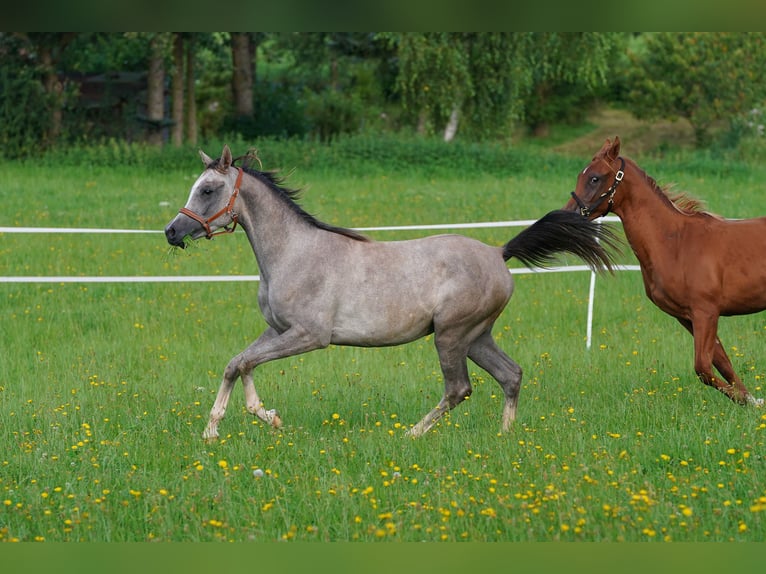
[563, 231]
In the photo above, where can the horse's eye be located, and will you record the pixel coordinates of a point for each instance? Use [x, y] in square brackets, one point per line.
[207, 191]
[594, 179]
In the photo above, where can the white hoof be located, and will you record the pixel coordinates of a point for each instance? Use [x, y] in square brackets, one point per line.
[273, 418]
[753, 401]
[211, 433]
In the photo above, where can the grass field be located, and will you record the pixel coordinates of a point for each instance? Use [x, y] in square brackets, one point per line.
[105, 388]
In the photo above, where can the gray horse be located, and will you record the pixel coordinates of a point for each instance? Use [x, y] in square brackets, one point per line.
[323, 285]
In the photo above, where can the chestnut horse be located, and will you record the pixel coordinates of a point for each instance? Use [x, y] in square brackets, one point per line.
[696, 266]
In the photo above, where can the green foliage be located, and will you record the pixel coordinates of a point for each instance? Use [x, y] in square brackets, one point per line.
[433, 74]
[705, 77]
[21, 133]
[570, 72]
[331, 113]
[495, 79]
[331, 84]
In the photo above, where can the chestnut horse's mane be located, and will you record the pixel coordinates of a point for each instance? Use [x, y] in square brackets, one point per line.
[682, 201]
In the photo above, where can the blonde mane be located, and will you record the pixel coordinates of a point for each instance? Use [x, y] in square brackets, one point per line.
[680, 200]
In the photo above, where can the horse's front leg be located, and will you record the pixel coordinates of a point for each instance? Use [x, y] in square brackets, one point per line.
[269, 346]
[255, 405]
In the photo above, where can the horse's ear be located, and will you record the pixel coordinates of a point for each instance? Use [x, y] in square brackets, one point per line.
[615, 151]
[205, 158]
[225, 158]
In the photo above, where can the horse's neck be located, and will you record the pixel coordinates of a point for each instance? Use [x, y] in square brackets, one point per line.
[273, 229]
[649, 221]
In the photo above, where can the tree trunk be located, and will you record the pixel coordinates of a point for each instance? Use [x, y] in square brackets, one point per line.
[191, 102]
[454, 120]
[422, 122]
[177, 131]
[54, 89]
[242, 78]
[155, 97]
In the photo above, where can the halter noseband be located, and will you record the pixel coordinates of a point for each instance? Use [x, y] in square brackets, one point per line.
[585, 211]
[228, 209]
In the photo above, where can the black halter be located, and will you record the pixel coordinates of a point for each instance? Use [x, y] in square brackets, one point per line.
[585, 211]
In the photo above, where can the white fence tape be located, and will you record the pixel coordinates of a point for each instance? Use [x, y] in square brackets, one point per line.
[228, 278]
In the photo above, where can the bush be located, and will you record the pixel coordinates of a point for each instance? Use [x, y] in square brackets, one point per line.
[22, 132]
[331, 113]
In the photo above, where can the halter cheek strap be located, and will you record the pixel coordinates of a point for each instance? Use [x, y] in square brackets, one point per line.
[586, 211]
[227, 210]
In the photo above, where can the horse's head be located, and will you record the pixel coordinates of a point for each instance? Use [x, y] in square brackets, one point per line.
[596, 184]
[211, 202]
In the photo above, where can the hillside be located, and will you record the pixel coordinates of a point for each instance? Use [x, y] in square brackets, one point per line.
[640, 137]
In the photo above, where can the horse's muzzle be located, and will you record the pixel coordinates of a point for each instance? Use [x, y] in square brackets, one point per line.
[175, 238]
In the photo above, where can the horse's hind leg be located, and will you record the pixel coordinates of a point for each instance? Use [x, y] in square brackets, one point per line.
[485, 353]
[457, 386]
[723, 365]
[708, 353]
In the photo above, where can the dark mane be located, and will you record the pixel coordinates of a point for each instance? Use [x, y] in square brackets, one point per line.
[290, 198]
[681, 201]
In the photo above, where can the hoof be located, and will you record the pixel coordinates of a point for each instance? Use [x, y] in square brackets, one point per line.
[210, 434]
[275, 419]
[753, 401]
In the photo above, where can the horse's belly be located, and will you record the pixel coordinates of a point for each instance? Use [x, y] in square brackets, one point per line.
[372, 330]
[739, 289]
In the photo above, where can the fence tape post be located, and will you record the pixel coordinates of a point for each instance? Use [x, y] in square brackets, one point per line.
[591, 293]
[591, 296]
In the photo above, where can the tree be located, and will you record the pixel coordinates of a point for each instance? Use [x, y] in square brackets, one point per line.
[434, 77]
[243, 67]
[44, 51]
[191, 92]
[493, 79]
[155, 85]
[704, 77]
[567, 71]
[178, 82]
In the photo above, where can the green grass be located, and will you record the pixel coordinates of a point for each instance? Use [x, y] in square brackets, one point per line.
[106, 388]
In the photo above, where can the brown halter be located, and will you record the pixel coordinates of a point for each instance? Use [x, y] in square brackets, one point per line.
[228, 209]
[585, 210]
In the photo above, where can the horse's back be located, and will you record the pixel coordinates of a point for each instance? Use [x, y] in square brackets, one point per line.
[396, 291]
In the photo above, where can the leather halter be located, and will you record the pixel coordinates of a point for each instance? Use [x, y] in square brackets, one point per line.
[585, 211]
[228, 209]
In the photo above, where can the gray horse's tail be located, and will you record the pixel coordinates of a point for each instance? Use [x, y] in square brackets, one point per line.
[563, 231]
